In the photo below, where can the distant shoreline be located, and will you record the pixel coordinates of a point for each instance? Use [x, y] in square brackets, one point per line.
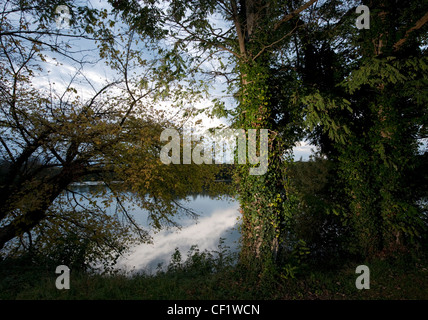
[99, 183]
[91, 183]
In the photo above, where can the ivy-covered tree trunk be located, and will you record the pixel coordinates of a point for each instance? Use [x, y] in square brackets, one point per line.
[259, 225]
[266, 203]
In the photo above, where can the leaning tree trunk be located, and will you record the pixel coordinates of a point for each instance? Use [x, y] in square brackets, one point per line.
[40, 196]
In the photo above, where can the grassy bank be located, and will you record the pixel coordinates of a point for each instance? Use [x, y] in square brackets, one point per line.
[203, 277]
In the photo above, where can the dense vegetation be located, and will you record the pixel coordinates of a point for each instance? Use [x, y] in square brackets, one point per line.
[301, 69]
[215, 276]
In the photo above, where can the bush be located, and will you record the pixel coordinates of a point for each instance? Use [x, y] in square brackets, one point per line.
[200, 263]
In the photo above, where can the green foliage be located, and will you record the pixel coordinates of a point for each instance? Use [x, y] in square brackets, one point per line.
[51, 139]
[201, 263]
[317, 114]
[367, 116]
[375, 166]
[359, 95]
[401, 278]
[319, 218]
[295, 260]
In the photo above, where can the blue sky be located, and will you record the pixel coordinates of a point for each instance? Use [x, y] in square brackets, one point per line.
[59, 72]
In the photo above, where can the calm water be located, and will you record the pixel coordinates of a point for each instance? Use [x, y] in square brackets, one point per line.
[218, 218]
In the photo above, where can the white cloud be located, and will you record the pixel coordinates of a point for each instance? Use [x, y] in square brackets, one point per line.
[303, 150]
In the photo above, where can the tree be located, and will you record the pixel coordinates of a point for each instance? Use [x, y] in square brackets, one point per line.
[389, 84]
[247, 38]
[52, 138]
[373, 140]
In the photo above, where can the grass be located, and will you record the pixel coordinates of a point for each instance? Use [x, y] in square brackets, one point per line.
[204, 276]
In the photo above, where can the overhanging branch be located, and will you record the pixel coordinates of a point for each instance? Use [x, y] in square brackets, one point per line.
[419, 24]
[291, 15]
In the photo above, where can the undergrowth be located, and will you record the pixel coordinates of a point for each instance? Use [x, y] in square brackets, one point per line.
[218, 275]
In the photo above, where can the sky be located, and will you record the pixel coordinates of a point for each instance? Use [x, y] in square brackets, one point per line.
[93, 75]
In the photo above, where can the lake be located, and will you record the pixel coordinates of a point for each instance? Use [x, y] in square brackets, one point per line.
[218, 218]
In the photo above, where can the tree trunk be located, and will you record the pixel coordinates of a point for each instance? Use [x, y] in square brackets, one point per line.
[25, 222]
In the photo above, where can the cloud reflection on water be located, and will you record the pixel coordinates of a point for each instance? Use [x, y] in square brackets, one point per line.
[219, 219]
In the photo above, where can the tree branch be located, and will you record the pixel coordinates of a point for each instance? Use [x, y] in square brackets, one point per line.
[289, 16]
[275, 42]
[417, 26]
[239, 31]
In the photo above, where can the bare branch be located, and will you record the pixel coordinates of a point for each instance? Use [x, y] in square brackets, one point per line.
[290, 16]
[7, 149]
[275, 42]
